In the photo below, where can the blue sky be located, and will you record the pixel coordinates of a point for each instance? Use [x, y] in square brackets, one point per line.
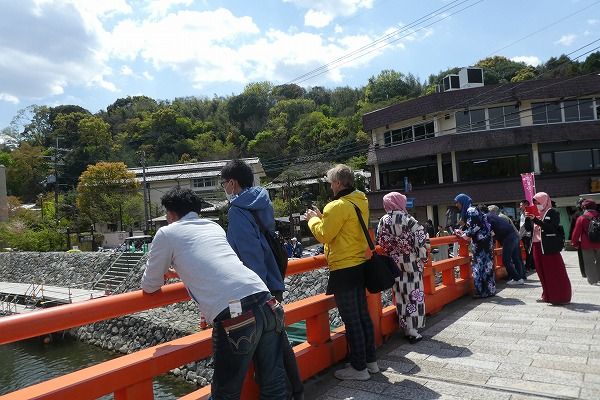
[90, 53]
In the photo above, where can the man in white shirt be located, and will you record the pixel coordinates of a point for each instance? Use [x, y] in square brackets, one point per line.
[248, 321]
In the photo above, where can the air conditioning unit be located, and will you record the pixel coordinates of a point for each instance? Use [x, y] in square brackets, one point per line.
[451, 82]
[470, 77]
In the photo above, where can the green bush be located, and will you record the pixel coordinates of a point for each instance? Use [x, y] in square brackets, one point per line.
[27, 239]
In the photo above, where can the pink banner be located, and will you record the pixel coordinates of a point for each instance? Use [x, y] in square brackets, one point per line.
[528, 181]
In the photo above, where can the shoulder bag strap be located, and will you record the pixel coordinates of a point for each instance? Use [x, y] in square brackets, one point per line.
[362, 225]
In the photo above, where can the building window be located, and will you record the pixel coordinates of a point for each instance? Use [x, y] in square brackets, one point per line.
[472, 120]
[417, 176]
[569, 161]
[504, 117]
[546, 113]
[578, 110]
[463, 121]
[493, 168]
[447, 172]
[204, 183]
[424, 131]
[409, 134]
[596, 154]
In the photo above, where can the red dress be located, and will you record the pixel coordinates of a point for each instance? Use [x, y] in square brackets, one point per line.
[551, 270]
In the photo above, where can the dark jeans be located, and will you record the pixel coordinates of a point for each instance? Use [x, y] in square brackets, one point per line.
[529, 254]
[255, 335]
[289, 358]
[352, 306]
[511, 257]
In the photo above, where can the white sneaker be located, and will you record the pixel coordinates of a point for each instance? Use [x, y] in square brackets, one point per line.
[520, 282]
[349, 373]
[372, 367]
[511, 282]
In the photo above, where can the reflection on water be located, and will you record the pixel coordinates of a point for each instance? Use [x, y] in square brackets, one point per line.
[28, 362]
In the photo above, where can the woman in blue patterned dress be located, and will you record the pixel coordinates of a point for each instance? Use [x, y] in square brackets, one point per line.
[477, 229]
[406, 241]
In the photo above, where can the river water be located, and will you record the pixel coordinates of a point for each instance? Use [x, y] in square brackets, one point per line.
[30, 361]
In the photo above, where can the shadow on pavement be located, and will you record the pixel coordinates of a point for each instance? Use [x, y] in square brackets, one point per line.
[582, 307]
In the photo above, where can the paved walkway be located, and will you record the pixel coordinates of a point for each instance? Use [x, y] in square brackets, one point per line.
[508, 347]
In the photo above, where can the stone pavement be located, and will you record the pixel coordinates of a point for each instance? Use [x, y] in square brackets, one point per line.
[507, 347]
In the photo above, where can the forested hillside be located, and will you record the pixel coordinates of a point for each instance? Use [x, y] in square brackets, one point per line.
[281, 124]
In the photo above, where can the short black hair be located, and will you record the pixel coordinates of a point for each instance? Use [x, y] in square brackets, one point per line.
[525, 201]
[181, 201]
[240, 171]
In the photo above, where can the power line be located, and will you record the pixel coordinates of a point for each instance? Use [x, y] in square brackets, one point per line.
[542, 29]
[367, 49]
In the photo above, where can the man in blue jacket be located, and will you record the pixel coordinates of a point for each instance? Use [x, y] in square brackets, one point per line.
[248, 202]
[508, 236]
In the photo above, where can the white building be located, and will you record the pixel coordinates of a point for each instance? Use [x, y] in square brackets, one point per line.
[202, 177]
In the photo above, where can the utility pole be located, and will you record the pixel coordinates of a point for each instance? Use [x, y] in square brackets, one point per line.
[143, 162]
[56, 184]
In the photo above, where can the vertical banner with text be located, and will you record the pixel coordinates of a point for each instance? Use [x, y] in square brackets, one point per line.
[528, 181]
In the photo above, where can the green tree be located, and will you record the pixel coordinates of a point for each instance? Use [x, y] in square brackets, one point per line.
[524, 74]
[32, 124]
[498, 69]
[250, 109]
[390, 84]
[27, 171]
[103, 189]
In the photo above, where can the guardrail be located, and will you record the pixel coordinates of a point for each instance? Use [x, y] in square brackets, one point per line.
[130, 376]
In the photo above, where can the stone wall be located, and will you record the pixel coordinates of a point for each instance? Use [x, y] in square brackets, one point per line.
[58, 269]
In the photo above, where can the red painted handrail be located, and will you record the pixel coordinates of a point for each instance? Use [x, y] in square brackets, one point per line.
[130, 376]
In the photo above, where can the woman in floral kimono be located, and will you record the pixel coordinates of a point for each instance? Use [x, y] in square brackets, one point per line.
[406, 241]
[477, 229]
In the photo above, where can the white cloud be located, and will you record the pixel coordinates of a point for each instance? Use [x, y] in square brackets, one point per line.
[321, 12]
[529, 60]
[160, 8]
[566, 40]
[48, 45]
[126, 70]
[338, 29]
[9, 98]
[592, 21]
[317, 19]
[148, 75]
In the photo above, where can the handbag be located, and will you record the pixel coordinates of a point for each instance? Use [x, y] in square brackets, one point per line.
[380, 271]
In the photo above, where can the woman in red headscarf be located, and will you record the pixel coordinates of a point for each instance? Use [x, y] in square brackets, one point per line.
[406, 241]
[548, 241]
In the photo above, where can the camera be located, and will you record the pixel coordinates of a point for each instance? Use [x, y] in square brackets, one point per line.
[306, 199]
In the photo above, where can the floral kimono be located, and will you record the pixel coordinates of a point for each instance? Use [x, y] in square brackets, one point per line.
[478, 229]
[405, 240]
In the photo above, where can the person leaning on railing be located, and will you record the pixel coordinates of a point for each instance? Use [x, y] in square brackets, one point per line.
[248, 322]
[339, 229]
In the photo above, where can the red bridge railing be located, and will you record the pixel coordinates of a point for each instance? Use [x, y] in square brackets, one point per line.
[130, 376]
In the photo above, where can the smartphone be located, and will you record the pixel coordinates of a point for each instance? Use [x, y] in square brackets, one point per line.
[532, 210]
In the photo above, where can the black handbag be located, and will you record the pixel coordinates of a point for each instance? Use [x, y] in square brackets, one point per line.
[380, 271]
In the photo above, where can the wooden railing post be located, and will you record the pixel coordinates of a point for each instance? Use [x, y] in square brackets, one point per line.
[139, 391]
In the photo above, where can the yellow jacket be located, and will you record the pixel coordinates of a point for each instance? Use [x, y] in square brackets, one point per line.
[340, 231]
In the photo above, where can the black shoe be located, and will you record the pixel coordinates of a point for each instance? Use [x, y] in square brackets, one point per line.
[414, 339]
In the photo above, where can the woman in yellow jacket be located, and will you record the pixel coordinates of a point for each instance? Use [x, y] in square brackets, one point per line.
[339, 229]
